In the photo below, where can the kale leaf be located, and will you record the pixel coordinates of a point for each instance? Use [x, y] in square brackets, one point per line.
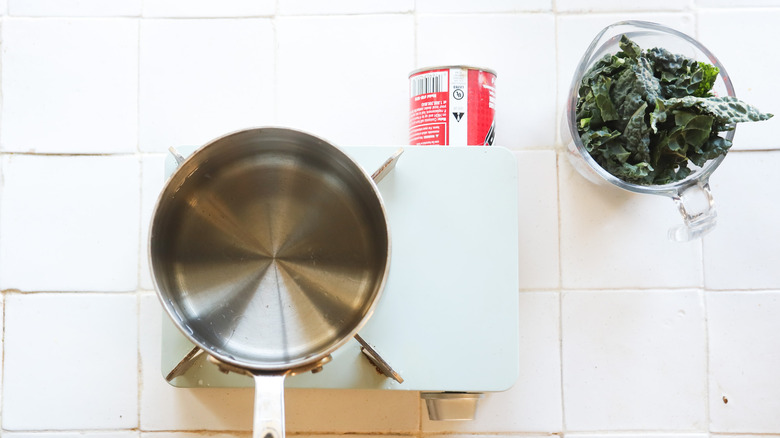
[645, 115]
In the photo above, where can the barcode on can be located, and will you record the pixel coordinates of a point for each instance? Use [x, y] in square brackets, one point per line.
[429, 83]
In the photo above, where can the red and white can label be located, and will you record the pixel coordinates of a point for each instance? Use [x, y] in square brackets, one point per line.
[452, 106]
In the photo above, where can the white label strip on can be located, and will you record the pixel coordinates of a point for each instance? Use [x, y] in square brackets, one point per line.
[459, 117]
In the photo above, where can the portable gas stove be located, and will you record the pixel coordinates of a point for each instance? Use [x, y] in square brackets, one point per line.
[447, 321]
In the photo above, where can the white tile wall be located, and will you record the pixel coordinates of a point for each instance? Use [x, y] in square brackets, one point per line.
[728, 3]
[2, 347]
[71, 362]
[349, 7]
[69, 223]
[617, 5]
[742, 252]
[69, 85]
[634, 360]
[202, 78]
[152, 181]
[74, 8]
[80, 434]
[622, 333]
[637, 435]
[538, 215]
[326, 67]
[744, 351]
[746, 63]
[525, 89]
[194, 435]
[464, 6]
[611, 238]
[205, 8]
[345, 411]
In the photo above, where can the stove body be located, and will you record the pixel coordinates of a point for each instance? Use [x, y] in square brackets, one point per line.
[447, 320]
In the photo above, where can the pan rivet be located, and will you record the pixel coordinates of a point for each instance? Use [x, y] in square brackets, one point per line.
[316, 370]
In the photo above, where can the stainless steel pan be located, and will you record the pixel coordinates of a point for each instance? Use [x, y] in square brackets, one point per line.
[269, 249]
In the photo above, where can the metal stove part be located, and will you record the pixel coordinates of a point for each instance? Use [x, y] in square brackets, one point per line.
[387, 166]
[369, 353]
[450, 406]
[377, 360]
[314, 368]
[185, 363]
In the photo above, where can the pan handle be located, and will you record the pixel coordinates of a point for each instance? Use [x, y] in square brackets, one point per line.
[269, 406]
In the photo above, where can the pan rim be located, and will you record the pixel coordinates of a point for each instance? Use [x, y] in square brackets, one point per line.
[258, 366]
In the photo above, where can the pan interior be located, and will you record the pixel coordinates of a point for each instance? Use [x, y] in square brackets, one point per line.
[268, 251]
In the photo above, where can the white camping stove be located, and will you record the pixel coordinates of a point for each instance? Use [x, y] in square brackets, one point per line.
[447, 321]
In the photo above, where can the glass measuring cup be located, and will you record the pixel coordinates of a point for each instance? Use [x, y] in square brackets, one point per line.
[692, 195]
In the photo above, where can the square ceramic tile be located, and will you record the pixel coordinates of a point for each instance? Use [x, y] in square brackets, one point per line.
[635, 435]
[744, 348]
[206, 8]
[333, 7]
[69, 223]
[576, 32]
[346, 78]
[2, 345]
[246, 434]
[611, 238]
[201, 79]
[538, 213]
[525, 82]
[69, 85]
[74, 8]
[533, 404]
[617, 5]
[152, 181]
[80, 434]
[741, 55]
[701, 4]
[465, 6]
[634, 360]
[164, 407]
[743, 251]
[348, 411]
[479, 435]
[741, 435]
[93, 381]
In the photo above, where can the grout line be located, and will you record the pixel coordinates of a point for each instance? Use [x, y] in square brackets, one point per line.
[2, 359]
[138, 90]
[6, 292]
[275, 34]
[139, 237]
[707, 395]
[415, 36]
[559, 260]
[72, 154]
[139, 363]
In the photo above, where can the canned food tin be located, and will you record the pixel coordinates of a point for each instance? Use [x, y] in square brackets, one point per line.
[452, 105]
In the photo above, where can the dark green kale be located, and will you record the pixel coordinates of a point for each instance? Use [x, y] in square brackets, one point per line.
[645, 115]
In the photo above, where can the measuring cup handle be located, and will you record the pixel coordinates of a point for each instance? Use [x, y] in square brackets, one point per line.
[269, 406]
[697, 208]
